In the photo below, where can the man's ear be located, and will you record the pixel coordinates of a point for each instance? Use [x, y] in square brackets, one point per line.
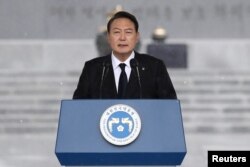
[138, 37]
[107, 37]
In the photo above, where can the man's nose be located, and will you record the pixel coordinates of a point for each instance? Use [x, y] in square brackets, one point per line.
[122, 36]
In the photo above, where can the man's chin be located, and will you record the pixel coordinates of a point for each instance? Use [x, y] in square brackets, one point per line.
[123, 54]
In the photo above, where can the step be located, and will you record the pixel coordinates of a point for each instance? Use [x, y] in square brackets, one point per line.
[30, 100]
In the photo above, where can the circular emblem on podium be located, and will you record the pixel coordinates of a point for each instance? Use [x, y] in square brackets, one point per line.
[120, 124]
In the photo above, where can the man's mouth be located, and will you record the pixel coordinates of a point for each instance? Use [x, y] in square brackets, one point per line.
[122, 45]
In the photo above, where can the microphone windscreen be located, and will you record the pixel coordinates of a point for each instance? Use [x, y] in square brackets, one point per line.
[133, 62]
[106, 63]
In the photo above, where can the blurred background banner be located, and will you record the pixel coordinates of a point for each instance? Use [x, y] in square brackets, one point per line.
[45, 43]
[79, 19]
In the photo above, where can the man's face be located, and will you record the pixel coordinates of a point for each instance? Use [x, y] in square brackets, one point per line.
[122, 37]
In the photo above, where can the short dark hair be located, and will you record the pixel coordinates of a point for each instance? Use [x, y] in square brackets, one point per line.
[123, 14]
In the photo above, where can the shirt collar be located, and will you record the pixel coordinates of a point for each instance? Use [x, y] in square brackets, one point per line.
[116, 62]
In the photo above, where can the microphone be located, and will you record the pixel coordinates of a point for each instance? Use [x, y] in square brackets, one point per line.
[134, 64]
[105, 68]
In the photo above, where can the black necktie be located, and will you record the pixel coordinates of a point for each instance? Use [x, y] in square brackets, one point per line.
[123, 80]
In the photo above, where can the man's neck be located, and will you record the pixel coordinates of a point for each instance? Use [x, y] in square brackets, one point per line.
[116, 61]
[122, 57]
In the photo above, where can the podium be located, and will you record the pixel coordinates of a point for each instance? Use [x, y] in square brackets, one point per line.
[80, 141]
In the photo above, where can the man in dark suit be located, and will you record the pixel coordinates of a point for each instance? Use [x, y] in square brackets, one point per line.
[124, 73]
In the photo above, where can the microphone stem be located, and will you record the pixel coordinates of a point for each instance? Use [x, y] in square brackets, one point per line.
[103, 70]
[139, 81]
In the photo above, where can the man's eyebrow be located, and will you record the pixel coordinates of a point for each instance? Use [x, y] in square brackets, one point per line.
[131, 29]
[115, 28]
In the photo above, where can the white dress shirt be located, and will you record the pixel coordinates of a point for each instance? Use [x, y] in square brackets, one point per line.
[117, 69]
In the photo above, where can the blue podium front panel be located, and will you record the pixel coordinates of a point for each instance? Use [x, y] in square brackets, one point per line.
[161, 140]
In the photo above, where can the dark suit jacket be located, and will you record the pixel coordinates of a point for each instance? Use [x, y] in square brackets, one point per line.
[155, 80]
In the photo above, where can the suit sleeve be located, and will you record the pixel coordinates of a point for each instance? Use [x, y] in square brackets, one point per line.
[81, 91]
[165, 88]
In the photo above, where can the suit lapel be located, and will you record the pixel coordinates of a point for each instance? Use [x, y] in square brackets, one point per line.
[109, 90]
[132, 87]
